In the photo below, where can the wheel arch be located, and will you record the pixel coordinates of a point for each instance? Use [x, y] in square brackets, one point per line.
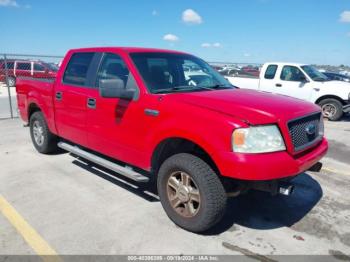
[32, 108]
[328, 97]
[175, 145]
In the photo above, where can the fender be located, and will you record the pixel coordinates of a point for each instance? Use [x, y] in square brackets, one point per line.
[220, 142]
[45, 105]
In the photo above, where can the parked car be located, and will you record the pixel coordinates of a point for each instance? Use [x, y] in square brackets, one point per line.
[132, 110]
[26, 68]
[198, 78]
[236, 72]
[229, 72]
[337, 76]
[217, 68]
[253, 71]
[304, 82]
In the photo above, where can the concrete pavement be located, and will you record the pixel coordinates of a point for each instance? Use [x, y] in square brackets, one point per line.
[81, 209]
[4, 102]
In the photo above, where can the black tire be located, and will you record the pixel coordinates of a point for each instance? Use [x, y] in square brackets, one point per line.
[212, 193]
[49, 142]
[11, 81]
[332, 104]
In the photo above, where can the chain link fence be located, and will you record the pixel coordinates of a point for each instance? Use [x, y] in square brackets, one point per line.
[14, 66]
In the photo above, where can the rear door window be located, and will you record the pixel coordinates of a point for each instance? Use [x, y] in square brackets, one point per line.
[270, 72]
[76, 72]
[23, 66]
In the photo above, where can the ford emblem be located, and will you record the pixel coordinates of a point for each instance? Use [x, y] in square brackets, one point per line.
[310, 129]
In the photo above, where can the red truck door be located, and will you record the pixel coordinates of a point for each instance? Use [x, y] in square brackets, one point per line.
[71, 97]
[118, 127]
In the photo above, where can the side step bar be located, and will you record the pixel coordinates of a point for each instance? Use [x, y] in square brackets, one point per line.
[125, 171]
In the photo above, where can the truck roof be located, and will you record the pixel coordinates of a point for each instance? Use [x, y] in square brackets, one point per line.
[126, 49]
[286, 63]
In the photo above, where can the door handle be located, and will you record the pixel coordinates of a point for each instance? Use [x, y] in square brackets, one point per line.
[58, 96]
[151, 112]
[278, 85]
[91, 103]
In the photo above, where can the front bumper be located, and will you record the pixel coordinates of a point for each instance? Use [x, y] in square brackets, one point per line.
[269, 166]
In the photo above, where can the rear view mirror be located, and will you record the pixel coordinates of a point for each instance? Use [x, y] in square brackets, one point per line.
[115, 88]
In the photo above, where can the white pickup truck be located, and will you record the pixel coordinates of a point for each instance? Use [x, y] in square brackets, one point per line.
[301, 81]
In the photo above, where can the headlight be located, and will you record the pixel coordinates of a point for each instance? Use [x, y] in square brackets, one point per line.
[257, 139]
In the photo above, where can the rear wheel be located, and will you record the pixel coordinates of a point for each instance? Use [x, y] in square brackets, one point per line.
[11, 81]
[191, 194]
[331, 109]
[43, 140]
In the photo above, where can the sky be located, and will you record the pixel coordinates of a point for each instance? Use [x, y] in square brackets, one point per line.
[255, 31]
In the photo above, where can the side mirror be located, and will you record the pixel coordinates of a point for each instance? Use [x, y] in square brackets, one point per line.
[303, 79]
[115, 88]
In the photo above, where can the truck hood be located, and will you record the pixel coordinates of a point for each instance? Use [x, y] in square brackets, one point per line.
[254, 107]
[335, 85]
[337, 88]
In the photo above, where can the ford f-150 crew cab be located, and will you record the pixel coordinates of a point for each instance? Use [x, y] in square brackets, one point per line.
[303, 82]
[135, 111]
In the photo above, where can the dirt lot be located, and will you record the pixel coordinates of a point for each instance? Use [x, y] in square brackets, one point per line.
[75, 208]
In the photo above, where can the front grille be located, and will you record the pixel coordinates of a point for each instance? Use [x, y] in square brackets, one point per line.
[305, 131]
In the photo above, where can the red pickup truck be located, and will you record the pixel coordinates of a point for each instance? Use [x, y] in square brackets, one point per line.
[25, 68]
[135, 111]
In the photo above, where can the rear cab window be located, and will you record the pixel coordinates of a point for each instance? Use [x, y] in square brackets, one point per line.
[270, 72]
[10, 65]
[76, 72]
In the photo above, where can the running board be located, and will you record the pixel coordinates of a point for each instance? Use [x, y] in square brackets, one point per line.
[125, 171]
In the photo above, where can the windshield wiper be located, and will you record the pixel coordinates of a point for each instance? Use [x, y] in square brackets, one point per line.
[181, 88]
[217, 86]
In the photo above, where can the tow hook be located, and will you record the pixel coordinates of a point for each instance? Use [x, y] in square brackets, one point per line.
[346, 109]
[285, 189]
[274, 187]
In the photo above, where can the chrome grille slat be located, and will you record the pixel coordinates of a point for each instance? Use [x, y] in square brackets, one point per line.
[297, 131]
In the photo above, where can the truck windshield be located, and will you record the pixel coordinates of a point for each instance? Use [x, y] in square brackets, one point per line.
[314, 73]
[168, 73]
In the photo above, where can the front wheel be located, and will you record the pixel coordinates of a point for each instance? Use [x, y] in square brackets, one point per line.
[191, 193]
[331, 109]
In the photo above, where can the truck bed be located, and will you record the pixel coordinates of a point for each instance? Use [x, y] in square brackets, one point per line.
[244, 82]
[35, 91]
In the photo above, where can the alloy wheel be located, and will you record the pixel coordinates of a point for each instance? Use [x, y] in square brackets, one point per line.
[38, 133]
[183, 194]
[329, 110]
